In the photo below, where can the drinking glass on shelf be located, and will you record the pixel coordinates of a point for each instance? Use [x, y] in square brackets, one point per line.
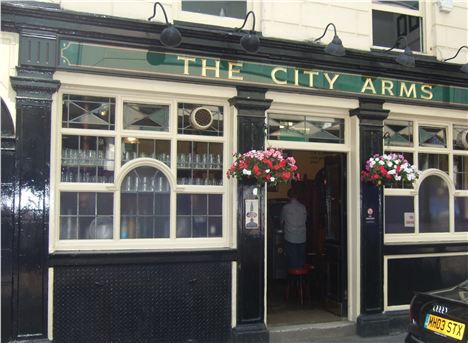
[182, 161]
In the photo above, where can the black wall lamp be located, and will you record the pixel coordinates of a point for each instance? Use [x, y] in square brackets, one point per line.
[464, 68]
[335, 47]
[170, 36]
[406, 58]
[250, 42]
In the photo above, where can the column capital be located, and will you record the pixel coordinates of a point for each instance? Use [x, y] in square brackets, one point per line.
[370, 110]
[251, 101]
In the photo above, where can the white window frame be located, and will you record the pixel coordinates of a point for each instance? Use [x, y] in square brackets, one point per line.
[203, 18]
[416, 236]
[143, 96]
[422, 12]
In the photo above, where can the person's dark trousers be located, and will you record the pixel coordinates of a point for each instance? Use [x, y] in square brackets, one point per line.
[295, 254]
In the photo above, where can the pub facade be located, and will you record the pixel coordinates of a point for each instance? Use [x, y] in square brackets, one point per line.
[119, 223]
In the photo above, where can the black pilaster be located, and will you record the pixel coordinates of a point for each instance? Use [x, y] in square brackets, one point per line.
[371, 321]
[251, 106]
[34, 87]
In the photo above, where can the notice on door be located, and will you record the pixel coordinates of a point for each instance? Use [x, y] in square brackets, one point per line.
[409, 219]
[251, 214]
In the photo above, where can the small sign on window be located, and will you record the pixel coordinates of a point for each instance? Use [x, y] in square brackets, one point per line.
[409, 219]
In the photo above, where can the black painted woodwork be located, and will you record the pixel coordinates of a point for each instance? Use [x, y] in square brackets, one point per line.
[34, 87]
[205, 40]
[8, 174]
[163, 302]
[425, 248]
[251, 106]
[423, 274]
[371, 322]
[102, 258]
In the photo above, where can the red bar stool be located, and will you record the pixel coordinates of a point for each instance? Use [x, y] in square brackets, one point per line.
[298, 279]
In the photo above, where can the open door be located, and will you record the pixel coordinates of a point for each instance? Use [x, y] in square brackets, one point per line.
[335, 234]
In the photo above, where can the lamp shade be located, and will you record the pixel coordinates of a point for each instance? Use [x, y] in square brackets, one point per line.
[406, 58]
[250, 42]
[335, 48]
[171, 37]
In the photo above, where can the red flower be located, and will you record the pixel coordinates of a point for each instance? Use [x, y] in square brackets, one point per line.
[268, 163]
[283, 163]
[256, 170]
[286, 175]
[383, 170]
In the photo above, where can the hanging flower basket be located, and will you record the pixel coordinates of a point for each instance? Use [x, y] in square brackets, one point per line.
[264, 166]
[388, 170]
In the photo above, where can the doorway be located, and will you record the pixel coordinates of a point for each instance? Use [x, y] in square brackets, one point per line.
[322, 191]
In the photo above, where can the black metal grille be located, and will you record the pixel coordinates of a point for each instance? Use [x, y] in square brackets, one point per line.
[143, 303]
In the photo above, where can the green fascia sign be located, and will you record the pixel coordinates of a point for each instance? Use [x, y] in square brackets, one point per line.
[93, 56]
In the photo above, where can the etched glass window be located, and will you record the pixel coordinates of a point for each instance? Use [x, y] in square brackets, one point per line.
[86, 215]
[88, 112]
[433, 205]
[398, 133]
[195, 119]
[435, 137]
[460, 137]
[145, 204]
[199, 215]
[133, 147]
[305, 128]
[145, 117]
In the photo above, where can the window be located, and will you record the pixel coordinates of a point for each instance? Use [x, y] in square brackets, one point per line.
[392, 19]
[438, 204]
[290, 127]
[233, 9]
[140, 171]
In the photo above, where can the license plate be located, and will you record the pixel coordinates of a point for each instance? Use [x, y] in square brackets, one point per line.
[444, 326]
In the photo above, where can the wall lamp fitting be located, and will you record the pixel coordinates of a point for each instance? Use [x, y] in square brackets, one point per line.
[406, 58]
[335, 47]
[250, 42]
[170, 36]
[464, 68]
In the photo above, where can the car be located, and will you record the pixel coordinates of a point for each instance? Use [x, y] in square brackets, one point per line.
[439, 316]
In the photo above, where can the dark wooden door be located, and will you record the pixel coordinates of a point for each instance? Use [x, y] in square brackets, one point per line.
[335, 234]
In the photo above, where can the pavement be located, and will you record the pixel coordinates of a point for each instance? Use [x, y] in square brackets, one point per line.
[392, 338]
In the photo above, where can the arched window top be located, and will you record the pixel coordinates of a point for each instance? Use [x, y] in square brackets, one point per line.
[434, 208]
[145, 179]
[429, 174]
[7, 126]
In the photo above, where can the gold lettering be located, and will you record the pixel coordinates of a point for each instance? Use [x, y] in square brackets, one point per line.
[387, 86]
[331, 81]
[205, 68]
[296, 77]
[273, 75]
[427, 90]
[186, 60]
[368, 86]
[311, 76]
[404, 91]
[232, 71]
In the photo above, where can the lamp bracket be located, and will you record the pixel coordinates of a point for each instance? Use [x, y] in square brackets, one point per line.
[245, 21]
[154, 12]
[451, 58]
[325, 31]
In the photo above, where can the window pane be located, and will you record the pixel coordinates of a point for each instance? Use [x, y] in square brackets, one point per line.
[399, 214]
[438, 161]
[199, 163]
[145, 204]
[195, 119]
[460, 171]
[433, 205]
[233, 9]
[88, 112]
[305, 128]
[461, 214]
[398, 133]
[146, 117]
[435, 137]
[460, 137]
[199, 216]
[388, 26]
[86, 215]
[87, 159]
[149, 148]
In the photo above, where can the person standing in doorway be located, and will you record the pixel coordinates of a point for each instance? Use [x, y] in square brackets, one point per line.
[293, 220]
